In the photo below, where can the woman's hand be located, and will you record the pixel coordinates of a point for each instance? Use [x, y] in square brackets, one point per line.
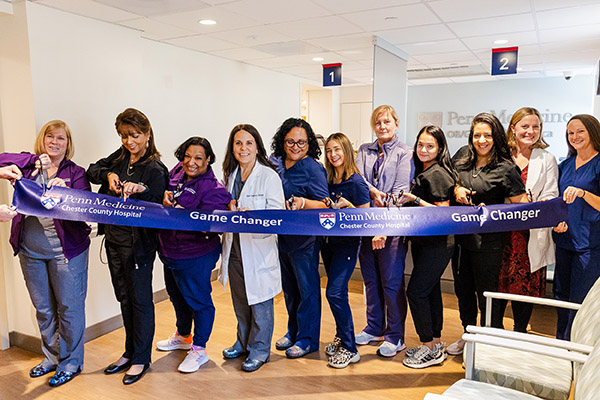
[571, 193]
[377, 196]
[379, 242]
[407, 198]
[7, 213]
[463, 195]
[561, 227]
[11, 172]
[114, 183]
[343, 203]
[42, 163]
[168, 198]
[130, 188]
[56, 182]
[295, 203]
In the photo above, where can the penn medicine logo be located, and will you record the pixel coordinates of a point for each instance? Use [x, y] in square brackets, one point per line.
[327, 220]
[50, 200]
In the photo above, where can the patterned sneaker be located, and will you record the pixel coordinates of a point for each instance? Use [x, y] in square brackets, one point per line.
[62, 377]
[366, 338]
[175, 342]
[411, 351]
[40, 370]
[332, 347]
[424, 357]
[343, 357]
[389, 349]
[456, 348]
[194, 359]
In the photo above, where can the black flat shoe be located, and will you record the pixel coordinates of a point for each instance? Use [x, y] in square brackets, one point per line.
[231, 352]
[62, 377]
[113, 368]
[129, 379]
[252, 365]
[40, 370]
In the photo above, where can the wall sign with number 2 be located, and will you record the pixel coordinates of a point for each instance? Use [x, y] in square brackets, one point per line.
[332, 74]
[504, 61]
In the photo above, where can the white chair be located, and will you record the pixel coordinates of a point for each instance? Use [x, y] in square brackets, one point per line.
[543, 374]
[587, 384]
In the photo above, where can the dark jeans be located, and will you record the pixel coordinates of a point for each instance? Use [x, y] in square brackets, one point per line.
[474, 273]
[301, 285]
[133, 289]
[383, 275]
[188, 284]
[574, 275]
[430, 259]
[340, 260]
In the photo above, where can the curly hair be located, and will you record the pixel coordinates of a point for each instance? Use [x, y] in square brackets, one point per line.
[278, 143]
[196, 141]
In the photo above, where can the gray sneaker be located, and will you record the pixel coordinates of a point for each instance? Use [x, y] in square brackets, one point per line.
[456, 348]
[388, 349]
[424, 357]
[363, 338]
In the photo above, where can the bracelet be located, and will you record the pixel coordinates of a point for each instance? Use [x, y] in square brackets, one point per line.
[303, 204]
[417, 201]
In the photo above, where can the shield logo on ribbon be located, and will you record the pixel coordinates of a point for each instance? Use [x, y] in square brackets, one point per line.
[327, 220]
[50, 200]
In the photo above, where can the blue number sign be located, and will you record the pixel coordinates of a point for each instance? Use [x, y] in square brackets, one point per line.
[332, 74]
[504, 61]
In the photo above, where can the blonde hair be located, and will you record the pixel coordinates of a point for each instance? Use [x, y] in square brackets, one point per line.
[515, 119]
[349, 165]
[381, 110]
[40, 148]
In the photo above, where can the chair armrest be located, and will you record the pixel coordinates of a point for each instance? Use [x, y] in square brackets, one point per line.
[530, 338]
[524, 299]
[472, 340]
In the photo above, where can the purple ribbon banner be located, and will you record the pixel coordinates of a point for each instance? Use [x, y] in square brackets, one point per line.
[78, 205]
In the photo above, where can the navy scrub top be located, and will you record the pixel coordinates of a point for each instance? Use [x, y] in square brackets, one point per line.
[583, 220]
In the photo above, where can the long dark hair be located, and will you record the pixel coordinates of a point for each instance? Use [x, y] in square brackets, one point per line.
[141, 123]
[277, 145]
[443, 156]
[500, 152]
[592, 126]
[230, 163]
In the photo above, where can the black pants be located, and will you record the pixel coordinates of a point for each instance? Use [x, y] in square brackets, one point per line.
[474, 273]
[133, 289]
[521, 313]
[430, 258]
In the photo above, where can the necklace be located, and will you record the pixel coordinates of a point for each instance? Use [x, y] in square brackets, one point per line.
[476, 174]
[130, 170]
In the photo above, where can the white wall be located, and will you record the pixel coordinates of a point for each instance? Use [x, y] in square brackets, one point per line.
[86, 71]
[556, 98]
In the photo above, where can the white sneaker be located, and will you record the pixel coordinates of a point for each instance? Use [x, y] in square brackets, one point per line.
[194, 359]
[456, 348]
[366, 338]
[411, 351]
[388, 349]
[175, 342]
[424, 357]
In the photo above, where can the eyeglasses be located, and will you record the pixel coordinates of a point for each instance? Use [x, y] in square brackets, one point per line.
[300, 143]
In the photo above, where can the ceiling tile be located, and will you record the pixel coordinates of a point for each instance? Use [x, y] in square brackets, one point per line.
[460, 10]
[572, 33]
[155, 30]
[316, 28]
[201, 43]
[344, 42]
[364, 54]
[275, 11]
[457, 57]
[155, 7]
[348, 6]
[573, 16]
[240, 54]
[496, 25]
[290, 48]
[487, 42]
[430, 81]
[393, 17]
[442, 46]
[584, 45]
[417, 34]
[250, 37]
[541, 5]
[89, 8]
[226, 20]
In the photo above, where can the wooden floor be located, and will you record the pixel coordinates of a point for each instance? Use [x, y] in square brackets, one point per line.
[310, 377]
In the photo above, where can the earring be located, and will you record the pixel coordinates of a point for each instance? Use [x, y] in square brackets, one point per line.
[147, 143]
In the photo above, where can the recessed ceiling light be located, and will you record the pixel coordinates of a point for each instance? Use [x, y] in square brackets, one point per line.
[390, 18]
[500, 41]
[318, 59]
[207, 22]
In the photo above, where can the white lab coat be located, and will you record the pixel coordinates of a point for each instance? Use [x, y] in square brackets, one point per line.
[542, 180]
[260, 257]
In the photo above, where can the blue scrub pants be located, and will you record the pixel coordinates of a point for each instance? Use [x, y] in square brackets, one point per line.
[383, 275]
[188, 285]
[301, 285]
[340, 261]
[574, 275]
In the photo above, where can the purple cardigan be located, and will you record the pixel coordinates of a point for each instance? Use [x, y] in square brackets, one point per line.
[202, 193]
[74, 236]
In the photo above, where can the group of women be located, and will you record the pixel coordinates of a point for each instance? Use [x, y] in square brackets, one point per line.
[494, 167]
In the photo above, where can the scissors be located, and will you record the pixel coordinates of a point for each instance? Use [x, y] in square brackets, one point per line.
[44, 180]
[391, 200]
[290, 202]
[176, 193]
